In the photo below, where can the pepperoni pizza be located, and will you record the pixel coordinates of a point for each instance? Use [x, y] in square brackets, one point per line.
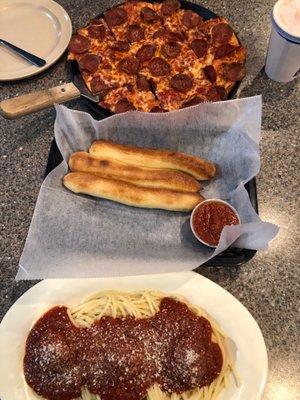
[157, 57]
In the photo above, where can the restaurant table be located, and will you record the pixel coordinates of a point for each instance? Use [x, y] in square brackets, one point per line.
[268, 285]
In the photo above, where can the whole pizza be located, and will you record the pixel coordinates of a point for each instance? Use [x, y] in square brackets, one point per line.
[157, 57]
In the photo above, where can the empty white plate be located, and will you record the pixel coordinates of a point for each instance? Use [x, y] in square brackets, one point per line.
[41, 27]
[246, 340]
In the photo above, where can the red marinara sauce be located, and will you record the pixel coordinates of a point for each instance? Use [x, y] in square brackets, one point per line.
[120, 358]
[209, 219]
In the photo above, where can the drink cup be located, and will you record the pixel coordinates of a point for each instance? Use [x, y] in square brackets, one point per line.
[283, 58]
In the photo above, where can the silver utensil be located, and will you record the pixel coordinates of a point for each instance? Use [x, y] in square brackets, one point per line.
[39, 62]
[84, 91]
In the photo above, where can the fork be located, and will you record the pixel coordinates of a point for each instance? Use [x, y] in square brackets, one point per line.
[39, 62]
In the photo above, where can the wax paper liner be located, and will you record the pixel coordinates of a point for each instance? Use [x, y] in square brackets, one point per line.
[74, 236]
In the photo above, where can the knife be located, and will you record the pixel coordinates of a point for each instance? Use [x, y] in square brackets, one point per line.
[36, 101]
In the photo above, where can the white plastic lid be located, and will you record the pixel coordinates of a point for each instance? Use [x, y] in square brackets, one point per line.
[286, 14]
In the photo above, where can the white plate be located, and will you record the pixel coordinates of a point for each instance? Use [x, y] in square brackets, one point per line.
[41, 27]
[234, 319]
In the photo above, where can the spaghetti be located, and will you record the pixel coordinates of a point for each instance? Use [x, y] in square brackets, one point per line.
[112, 309]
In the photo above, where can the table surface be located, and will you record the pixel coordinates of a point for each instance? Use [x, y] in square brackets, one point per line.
[269, 284]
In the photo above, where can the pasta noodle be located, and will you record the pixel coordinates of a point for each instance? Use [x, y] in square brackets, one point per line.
[145, 304]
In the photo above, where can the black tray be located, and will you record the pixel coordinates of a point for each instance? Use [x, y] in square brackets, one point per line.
[99, 112]
[231, 256]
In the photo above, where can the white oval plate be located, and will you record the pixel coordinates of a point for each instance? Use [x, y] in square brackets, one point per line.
[234, 319]
[41, 27]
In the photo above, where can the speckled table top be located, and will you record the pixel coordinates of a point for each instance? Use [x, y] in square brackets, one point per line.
[269, 284]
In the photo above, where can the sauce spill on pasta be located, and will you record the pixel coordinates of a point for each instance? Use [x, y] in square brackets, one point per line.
[121, 358]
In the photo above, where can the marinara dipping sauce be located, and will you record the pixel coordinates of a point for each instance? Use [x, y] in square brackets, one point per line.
[209, 218]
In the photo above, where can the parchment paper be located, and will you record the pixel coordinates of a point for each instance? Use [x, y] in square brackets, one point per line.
[74, 236]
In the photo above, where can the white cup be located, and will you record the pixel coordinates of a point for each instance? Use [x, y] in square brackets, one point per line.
[283, 58]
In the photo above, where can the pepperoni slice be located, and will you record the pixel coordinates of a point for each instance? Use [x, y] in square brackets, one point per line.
[221, 33]
[146, 52]
[177, 36]
[106, 64]
[234, 71]
[160, 33]
[210, 73]
[203, 31]
[200, 47]
[148, 15]
[212, 94]
[170, 96]
[98, 86]
[135, 33]
[89, 62]
[129, 65]
[79, 44]
[123, 105]
[171, 49]
[169, 7]
[142, 83]
[224, 50]
[222, 92]
[193, 102]
[115, 16]
[181, 82]
[96, 21]
[97, 31]
[190, 19]
[159, 67]
[120, 45]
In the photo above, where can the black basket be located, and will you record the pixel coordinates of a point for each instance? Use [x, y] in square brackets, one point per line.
[231, 256]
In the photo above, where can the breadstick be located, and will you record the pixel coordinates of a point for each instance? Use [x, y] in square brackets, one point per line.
[148, 177]
[130, 194]
[154, 158]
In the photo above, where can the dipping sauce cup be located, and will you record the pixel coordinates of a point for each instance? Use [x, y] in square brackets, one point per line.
[209, 218]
